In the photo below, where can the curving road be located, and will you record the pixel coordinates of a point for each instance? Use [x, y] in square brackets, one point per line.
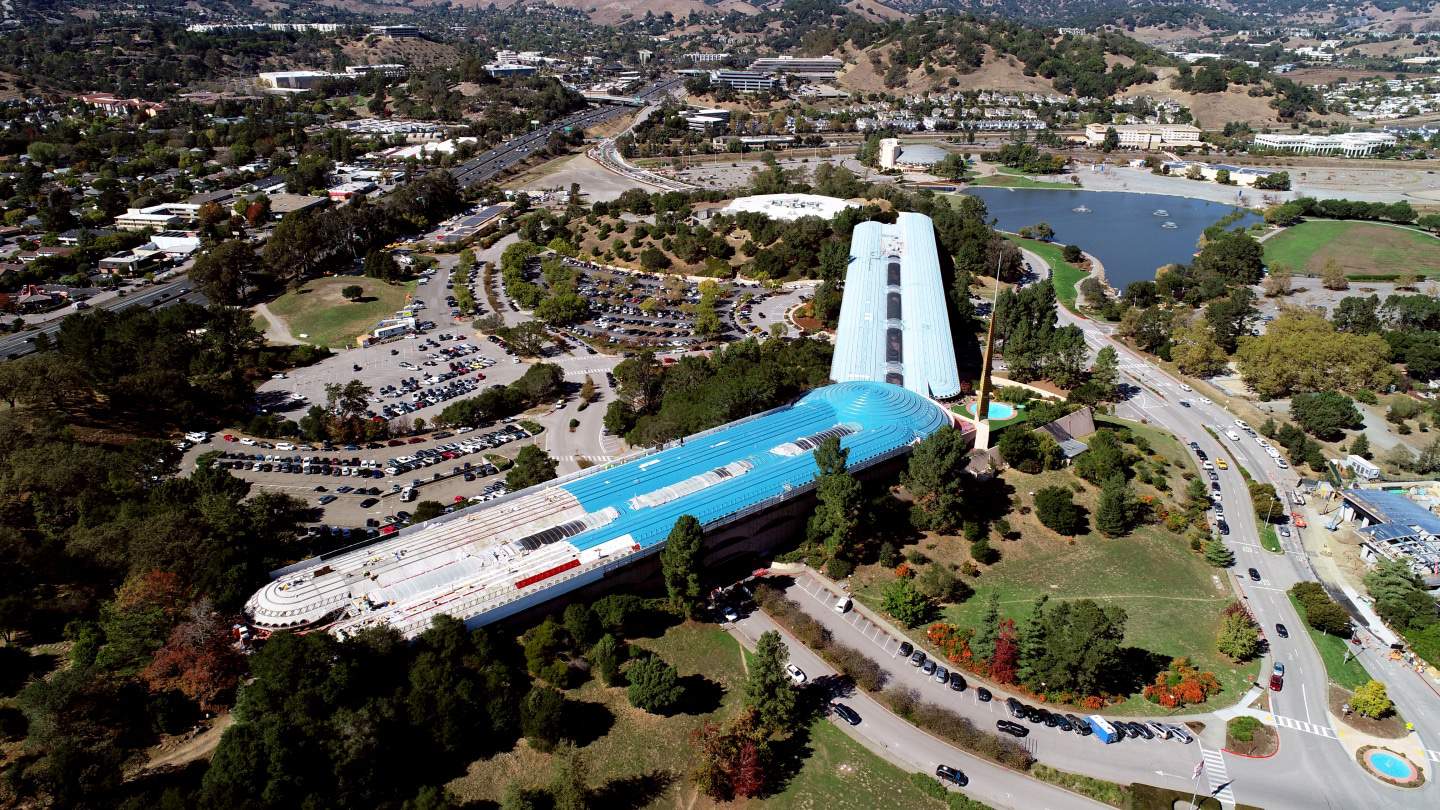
[20, 344]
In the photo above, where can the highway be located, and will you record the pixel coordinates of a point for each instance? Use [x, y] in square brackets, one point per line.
[164, 294]
[487, 165]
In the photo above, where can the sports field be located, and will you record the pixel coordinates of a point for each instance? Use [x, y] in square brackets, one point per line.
[1360, 248]
[327, 318]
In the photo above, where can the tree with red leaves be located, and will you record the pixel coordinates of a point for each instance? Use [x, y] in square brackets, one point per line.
[1006, 660]
[198, 660]
[747, 778]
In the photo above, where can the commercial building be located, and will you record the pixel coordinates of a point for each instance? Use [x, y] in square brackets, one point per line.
[789, 207]
[702, 58]
[894, 324]
[1144, 136]
[826, 66]
[1349, 144]
[176, 243]
[918, 157]
[397, 31]
[294, 81]
[163, 217]
[111, 105]
[347, 191]
[1238, 175]
[502, 69]
[746, 81]
[1398, 522]
[390, 70]
[746, 482]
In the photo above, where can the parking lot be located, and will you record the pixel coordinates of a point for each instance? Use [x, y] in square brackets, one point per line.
[633, 310]
[359, 485]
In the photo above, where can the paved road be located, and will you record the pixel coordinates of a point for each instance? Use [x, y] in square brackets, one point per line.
[1318, 771]
[485, 166]
[910, 748]
[23, 343]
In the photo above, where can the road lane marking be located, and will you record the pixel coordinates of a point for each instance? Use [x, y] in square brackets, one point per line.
[1216, 776]
[1434, 755]
[1307, 727]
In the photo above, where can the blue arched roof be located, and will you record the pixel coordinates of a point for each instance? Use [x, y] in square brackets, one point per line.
[877, 418]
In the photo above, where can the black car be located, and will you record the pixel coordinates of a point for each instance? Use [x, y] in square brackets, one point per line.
[983, 694]
[1281, 631]
[945, 773]
[1223, 527]
[1012, 728]
[1080, 726]
[369, 502]
[1254, 575]
[324, 499]
[1062, 723]
[1017, 709]
[957, 682]
[1139, 729]
[1050, 719]
[846, 713]
[918, 659]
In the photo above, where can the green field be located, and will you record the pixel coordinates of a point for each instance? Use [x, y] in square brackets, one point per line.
[650, 755]
[1360, 248]
[1009, 180]
[1065, 276]
[1334, 651]
[318, 310]
[1172, 598]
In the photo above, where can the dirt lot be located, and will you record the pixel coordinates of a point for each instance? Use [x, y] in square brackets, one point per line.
[595, 182]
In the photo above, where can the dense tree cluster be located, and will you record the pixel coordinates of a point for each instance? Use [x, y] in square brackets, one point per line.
[656, 403]
[541, 382]
[1033, 345]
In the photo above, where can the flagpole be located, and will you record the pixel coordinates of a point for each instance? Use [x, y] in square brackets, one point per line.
[1195, 791]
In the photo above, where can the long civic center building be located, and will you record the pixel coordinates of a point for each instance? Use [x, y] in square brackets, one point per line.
[599, 526]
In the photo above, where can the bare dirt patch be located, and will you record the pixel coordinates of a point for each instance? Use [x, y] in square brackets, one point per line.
[1390, 728]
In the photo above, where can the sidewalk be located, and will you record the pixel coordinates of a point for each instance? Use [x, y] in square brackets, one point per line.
[1409, 745]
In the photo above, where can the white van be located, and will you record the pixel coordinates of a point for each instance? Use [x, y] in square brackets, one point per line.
[197, 437]
[408, 494]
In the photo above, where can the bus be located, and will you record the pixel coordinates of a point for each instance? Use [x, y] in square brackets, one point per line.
[1104, 732]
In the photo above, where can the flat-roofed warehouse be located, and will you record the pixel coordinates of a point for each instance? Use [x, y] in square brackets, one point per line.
[894, 325]
[489, 562]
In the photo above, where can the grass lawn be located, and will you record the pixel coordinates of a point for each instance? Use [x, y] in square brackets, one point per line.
[319, 311]
[1361, 248]
[624, 743]
[1173, 599]
[841, 774]
[1269, 539]
[1009, 180]
[1065, 276]
[1350, 674]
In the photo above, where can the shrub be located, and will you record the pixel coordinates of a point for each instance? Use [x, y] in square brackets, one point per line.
[1242, 729]
[1371, 700]
[1056, 509]
[839, 569]
[929, 785]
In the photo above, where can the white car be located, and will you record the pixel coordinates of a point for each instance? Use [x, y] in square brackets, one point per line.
[284, 446]
[842, 605]
[796, 674]
[197, 437]
[1184, 387]
[1280, 462]
[248, 442]
[464, 429]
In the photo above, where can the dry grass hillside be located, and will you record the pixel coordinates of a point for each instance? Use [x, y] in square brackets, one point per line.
[608, 12]
[996, 73]
[1211, 110]
[875, 11]
[413, 52]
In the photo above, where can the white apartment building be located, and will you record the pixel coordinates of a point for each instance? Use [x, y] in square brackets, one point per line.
[1144, 136]
[821, 65]
[746, 81]
[1349, 144]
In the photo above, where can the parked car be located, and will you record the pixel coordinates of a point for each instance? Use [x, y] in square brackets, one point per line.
[983, 694]
[846, 713]
[905, 649]
[842, 604]
[945, 773]
[1012, 728]
[796, 674]
[917, 659]
[957, 682]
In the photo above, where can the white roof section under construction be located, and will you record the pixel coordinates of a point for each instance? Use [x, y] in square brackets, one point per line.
[894, 325]
[789, 206]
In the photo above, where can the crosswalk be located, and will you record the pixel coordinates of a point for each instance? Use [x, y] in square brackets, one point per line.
[1217, 776]
[1301, 725]
[1434, 755]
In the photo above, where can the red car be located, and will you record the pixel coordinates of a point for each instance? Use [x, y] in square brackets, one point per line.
[1299, 519]
[229, 437]
[417, 440]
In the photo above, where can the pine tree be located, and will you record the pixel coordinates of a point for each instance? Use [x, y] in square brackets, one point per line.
[680, 564]
[1112, 516]
[1361, 446]
[1034, 642]
[1217, 554]
[768, 692]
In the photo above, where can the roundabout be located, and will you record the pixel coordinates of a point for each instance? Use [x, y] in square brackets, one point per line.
[1389, 767]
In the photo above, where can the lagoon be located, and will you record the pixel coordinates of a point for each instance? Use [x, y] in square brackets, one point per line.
[1126, 231]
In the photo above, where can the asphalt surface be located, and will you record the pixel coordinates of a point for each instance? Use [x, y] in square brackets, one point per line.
[163, 294]
[1311, 769]
[485, 166]
[906, 745]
